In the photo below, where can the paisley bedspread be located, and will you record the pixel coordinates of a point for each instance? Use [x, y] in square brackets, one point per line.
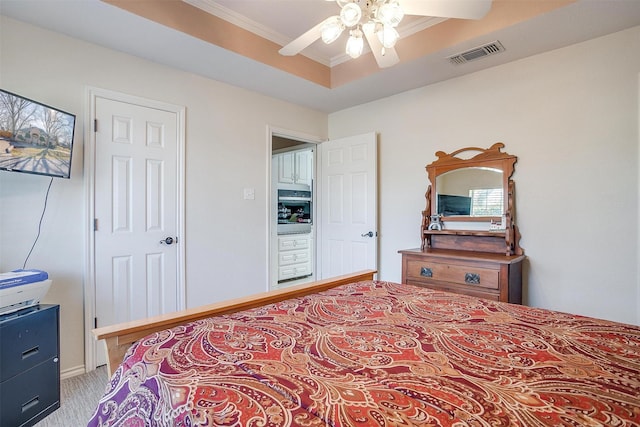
[381, 354]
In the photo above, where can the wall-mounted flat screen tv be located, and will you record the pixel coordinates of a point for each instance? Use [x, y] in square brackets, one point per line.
[34, 137]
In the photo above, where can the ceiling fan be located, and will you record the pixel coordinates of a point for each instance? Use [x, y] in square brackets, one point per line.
[377, 20]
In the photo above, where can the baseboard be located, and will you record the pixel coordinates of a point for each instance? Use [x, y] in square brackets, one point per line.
[72, 372]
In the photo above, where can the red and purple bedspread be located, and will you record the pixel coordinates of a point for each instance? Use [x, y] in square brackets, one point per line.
[381, 354]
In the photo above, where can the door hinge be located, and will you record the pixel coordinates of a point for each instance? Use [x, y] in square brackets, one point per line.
[95, 125]
[95, 224]
[95, 322]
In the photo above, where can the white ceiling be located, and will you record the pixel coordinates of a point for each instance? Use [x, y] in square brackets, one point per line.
[106, 25]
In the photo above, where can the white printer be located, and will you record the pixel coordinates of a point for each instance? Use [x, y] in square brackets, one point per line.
[22, 288]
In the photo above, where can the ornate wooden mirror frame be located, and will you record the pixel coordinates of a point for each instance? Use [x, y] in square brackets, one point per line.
[497, 234]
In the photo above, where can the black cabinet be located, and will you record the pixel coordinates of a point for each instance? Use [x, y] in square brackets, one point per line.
[29, 365]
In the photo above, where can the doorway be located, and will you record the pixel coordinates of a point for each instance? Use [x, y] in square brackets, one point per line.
[292, 242]
[345, 205]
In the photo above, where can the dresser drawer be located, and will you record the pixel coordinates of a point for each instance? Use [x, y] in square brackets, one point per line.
[293, 257]
[481, 274]
[458, 289]
[29, 396]
[293, 242]
[28, 341]
[470, 275]
[295, 270]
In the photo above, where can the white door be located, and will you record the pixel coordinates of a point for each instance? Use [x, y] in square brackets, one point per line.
[136, 213]
[349, 205]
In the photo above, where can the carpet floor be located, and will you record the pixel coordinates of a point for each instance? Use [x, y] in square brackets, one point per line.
[79, 397]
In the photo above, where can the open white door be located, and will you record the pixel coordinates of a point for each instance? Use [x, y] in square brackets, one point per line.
[348, 205]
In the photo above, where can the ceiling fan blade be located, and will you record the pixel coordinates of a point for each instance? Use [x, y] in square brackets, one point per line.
[390, 56]
[465, 9]
[298, 44]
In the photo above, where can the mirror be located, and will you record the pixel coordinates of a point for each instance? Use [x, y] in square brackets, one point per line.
[470, 201]
[473, 191]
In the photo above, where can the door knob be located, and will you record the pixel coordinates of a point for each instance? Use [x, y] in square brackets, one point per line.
[369, 234]
[168, 241]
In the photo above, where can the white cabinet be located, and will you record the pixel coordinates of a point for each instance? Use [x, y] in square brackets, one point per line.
[286, 167]
[304, 167]
[295, 167]
[294, 256]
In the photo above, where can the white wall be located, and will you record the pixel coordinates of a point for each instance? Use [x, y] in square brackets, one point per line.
[571, 117]
[226, 151]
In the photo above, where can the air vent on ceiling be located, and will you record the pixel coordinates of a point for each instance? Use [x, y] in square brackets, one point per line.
[476, 53]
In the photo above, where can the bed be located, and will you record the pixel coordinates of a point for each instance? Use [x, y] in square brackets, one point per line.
[359, 352]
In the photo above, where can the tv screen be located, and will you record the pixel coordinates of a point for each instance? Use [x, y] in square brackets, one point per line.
[34, 137]
[449, 205]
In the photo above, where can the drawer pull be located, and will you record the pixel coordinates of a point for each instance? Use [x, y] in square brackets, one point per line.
[426, 272]
[472, 278]
[30, 404]
[31, 352]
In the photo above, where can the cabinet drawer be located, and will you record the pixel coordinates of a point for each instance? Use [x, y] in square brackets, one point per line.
[293, 257]
[28, 341]
[458, 289]
[295, 270]
[28, 397]
[425, 270]
[293, 243]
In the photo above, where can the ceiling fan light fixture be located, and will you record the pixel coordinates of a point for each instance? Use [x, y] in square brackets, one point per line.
[376, 20]
[332, 30]
[350, 14]
[355, 44]
[390, 14]
[388, 36]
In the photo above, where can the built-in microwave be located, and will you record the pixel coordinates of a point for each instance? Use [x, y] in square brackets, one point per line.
[295, 211]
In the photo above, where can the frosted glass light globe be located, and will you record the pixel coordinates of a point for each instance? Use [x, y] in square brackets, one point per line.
[388, 36]
[390, 14]
[331, 30]
[355, 44]
[350, 14]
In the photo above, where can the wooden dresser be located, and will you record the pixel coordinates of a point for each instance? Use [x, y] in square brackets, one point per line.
[469, 239]
[484, 275]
